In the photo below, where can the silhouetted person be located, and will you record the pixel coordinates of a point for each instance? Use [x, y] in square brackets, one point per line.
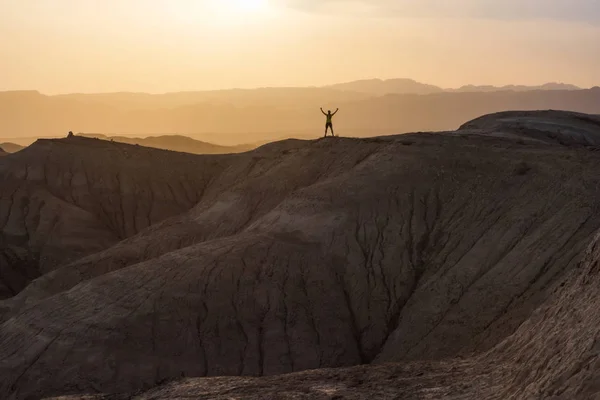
[70, 135]
[329, 124]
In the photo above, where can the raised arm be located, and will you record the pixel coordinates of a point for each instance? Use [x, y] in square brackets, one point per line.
[336, 110]
[323, 111]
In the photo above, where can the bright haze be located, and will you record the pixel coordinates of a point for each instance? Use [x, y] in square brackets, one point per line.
[236, 72]
[65, 46]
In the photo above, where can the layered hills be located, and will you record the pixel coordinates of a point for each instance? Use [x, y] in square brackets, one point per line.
[410, 86]
[435, 265]
[233, 117]
[176, 143]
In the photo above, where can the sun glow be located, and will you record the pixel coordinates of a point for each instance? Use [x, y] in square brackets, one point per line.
[234, 11]
[219, 13]
[246, 6]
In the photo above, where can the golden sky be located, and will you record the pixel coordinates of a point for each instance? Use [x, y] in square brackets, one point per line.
[63, 46]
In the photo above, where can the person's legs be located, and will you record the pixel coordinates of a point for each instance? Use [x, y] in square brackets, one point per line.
[328, 126]
[331, 126]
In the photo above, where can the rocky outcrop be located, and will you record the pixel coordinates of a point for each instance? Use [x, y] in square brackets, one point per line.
[302, 255]
[554, 354]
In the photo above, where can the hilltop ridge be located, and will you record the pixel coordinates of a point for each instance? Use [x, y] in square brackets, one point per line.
[548, 126]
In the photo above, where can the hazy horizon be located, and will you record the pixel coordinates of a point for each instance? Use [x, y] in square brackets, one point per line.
[160, 46]
[300, 87]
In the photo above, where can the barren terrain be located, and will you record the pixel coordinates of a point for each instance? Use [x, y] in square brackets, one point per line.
[452, 265]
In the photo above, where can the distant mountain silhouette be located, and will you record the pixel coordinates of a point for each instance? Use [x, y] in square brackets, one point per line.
[516, 88]
[175, 143]
[409, 86]
[235, 117]
[381, 87]
[260, 97]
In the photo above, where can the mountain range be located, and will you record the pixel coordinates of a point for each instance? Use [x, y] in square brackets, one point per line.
[233, 117]
[409, 86]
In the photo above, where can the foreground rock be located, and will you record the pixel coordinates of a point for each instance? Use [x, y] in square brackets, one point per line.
[300, 255]
[63, 199]
[553, 355]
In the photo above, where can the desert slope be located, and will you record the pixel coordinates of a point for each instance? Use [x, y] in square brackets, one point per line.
[553, 355]
[308, 254]
[63, 199]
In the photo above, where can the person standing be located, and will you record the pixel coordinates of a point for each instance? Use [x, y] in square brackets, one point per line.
[329, 123]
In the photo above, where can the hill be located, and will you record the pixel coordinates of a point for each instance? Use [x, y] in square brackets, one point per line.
[466, 259]
[175, 143]
[11, 147]
[545, 126]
